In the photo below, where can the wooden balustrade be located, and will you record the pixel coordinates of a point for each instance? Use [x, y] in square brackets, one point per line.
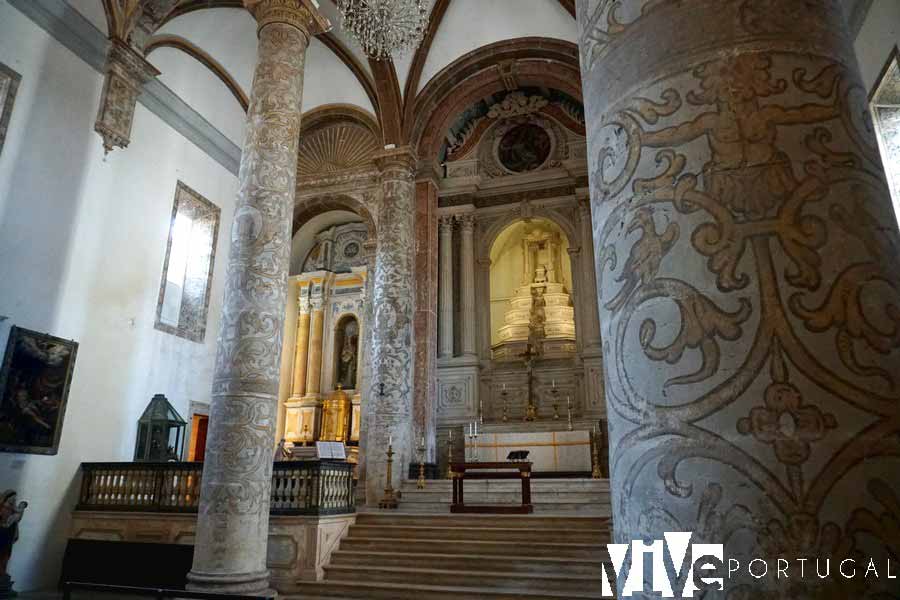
[298, 487]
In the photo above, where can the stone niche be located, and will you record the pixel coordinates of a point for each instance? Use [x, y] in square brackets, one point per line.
[531, 302]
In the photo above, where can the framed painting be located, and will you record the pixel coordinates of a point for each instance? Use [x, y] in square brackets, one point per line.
[34, 383]
[9, 85]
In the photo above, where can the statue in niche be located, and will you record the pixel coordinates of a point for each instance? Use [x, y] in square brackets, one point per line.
[348, 345]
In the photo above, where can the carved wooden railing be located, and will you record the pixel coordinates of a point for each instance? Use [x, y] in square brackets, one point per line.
[298, 488]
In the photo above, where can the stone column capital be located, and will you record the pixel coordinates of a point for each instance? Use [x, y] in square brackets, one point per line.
[303, 305]
[302, 14]
[446, 223]
[400, 160]
[466, 222]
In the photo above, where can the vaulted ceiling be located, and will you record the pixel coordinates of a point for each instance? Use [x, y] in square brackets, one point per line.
[206, 50]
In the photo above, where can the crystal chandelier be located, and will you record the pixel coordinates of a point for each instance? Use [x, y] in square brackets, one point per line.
[385, 27]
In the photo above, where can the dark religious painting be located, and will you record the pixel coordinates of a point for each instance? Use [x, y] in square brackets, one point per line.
[34, 383]
[524, 148]
[9, 85]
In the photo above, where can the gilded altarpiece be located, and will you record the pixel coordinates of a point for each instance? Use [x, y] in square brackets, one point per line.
[518, 164]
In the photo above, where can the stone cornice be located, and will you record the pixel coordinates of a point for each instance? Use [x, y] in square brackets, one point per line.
[302, 14]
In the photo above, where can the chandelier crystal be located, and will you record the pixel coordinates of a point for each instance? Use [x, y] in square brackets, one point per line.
[385, 28]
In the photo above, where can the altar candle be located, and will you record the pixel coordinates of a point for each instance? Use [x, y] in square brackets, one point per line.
[390, 440]
[504, 387]
[554, 384]
[476, 428]
[569, 401]
[451, 435]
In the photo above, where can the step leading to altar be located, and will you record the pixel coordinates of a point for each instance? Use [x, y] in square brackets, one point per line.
[583, 497]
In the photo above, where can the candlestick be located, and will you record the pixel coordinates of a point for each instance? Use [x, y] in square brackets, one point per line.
[420, 483]
[596, 471]
[389, 501]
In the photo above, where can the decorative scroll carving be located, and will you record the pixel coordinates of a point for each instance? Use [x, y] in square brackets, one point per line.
[391, 353]
[231, 532]
[746, 250]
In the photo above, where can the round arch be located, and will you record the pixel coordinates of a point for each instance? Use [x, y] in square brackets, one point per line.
[522, 62]
[312, 207]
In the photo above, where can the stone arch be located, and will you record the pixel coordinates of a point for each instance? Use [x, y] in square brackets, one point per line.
[506, 65]
[487, 236]
[306, 209]
[493, 231]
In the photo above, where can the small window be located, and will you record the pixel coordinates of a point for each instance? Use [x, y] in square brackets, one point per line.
[885, 108]
[187, 271]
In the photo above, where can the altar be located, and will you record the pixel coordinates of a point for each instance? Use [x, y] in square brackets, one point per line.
[549, 451]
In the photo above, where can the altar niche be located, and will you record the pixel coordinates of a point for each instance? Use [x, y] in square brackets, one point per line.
[531, 292]
[346, 353]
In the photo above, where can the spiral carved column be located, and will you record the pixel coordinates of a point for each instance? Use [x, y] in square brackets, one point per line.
[746, 255]
[233, 521]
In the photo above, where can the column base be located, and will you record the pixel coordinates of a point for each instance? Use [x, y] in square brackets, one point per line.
[247, 584]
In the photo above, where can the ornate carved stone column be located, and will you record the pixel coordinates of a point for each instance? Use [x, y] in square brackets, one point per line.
[391, 393]
[446, 285]
[233, 521]
[425, 324]
[747, 257]
[301, 354]
[586, 264]
[316, 337]
[369, 247]
[467, 283]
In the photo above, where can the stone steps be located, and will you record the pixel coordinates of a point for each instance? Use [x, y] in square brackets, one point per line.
[386, 591]
[410, 556]
[473, 562]
[548, 496]
[482, 534]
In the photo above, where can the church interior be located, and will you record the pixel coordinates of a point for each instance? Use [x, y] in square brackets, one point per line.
[433, 299]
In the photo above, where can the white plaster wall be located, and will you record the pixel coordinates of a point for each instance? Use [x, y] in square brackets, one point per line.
[879, 34]
[328, 81]
[202, 90]
[93, 10]
[471, 24]
[82, 243]
[227, 34]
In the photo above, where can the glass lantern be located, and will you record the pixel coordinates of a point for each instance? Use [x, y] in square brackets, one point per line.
[160, 436]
